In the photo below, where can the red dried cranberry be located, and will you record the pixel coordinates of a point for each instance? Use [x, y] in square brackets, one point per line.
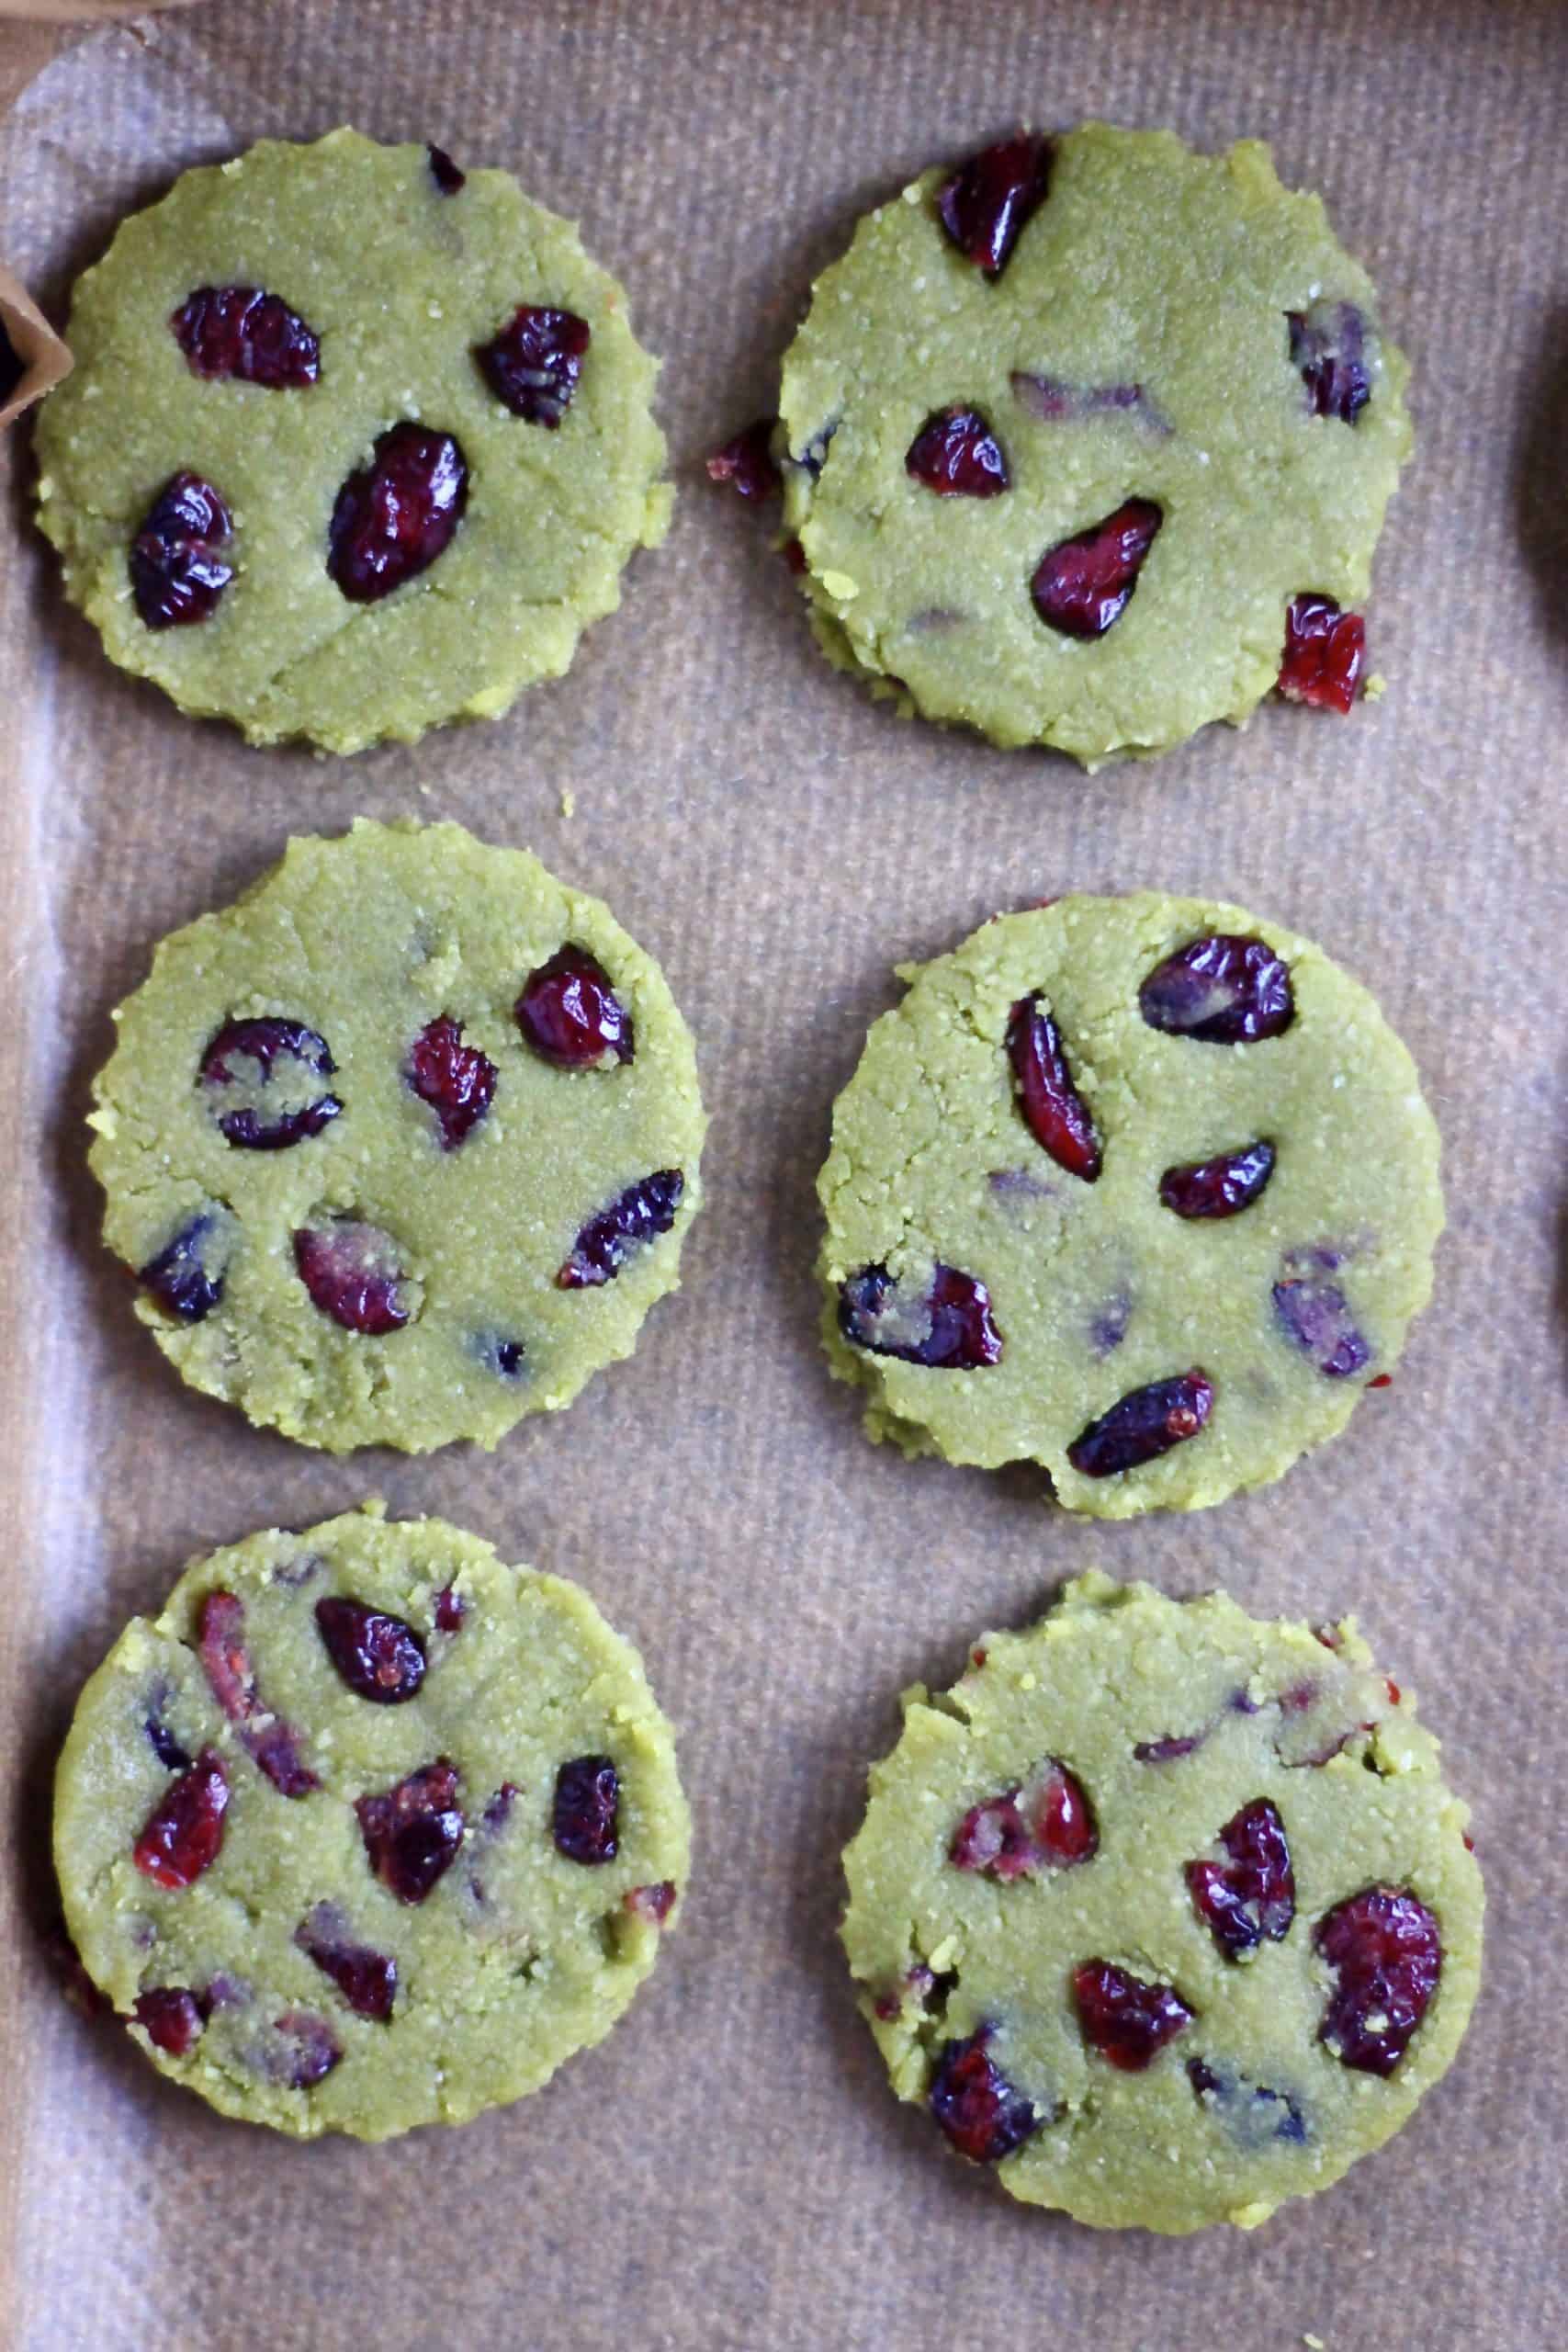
[264, 1043]
[351, 1272]
[1060, 1817]
[242, 332]
[569, 1014]
[533, 365]
[1382, 1380]
[1385, 1950]
[175, 578]
[651, 1903]
[183, 1834]
[956, 454]
[314, 2052]
[450, 1611]
[987, 200]
[949, 1328]
[449, 180]
[1253, 1895]
[180, 1276]
[394, 516]
[1316, 1316]
[1141, 1425]
[1328, 347]
[1167, 1751]
[412, 1832]
[171, 2019]
[1222, 1187]
[456, 1081]
[1082, 584]
[1054, 1110]
[1126, 2019]
[1325, 652]
[633, 1220]
[366, 1979]
[984, 2115]
[1046, 1823]
[748, 464]
[1055, 402]
[586, 1810]
[1223, 990]
[272, 1743]
[379, 1657]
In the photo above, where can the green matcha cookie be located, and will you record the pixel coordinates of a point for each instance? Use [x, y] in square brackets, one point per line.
[1165, 1910]
[1140, 1189]
[1090, 442]
[403, 1145]
[366, 1829]
[353, 444]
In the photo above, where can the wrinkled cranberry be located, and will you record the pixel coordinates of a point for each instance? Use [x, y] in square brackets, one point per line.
[949, 1327]
[634, 1218]
[394, 516]
[272, 1743]
[1082, 584]
[651, 1903]
[748, 464]
[412, 1832]
[1251, 2114]
[379, 1657]
[1328, 351]
[366, 1979]
[450, 1611]
[183, 1834]
[242, 332]
[569, 1014]
[587, 1806]
[264, 1043]
[351, 1272]
[456, 1081]
[1253, 1895]
[956, 454]
[1223, 990]
[171, 2016]
[984, 2115]
[1126, 2019]
[1055, 402]
[449, 180]
[1142, 1424]
[183, 1277]
[1167, 1751]
[985, 203]
[1385, 1950]
[1316, 1316]
[175, 578]
[315, 2050]
[533, 365]
[1054, 1110]
[1047, 1823]
[1222, 1187]
[1325, 652]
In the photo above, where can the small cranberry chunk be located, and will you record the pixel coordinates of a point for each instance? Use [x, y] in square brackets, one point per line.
[1328, 351]
[1082, 584]
[1144, 1423]
[366, 1979]
[352, 1274]
[1384, 1948]
[586, 1810]
[379, 1657]
[412, 1832]
[1126, 2019]
[185, 1276]
[456, 1081]
[748, 464]
[1325, 653]
[1053, 401]
[449, 180]
[165, 1745]
[1250, 2113]
[1054, 1110]
[948, 1328]
[653, 1903]
[281, 1051]
[246, 334]
[171, 2016]
[1253, 1895]
[273, 1745]
[1222, 1187]
[633, 1220]
[984, 2115]
[183, 1834]
[1223, 990]
[175, 578]
[1316, 1316]
[1168, 1751]
[569, 1014]
[394, 516]
[450, 1611]
[533, 365]
[987, 201]
[956, 454]
[1045, 1824]
[314, 2050]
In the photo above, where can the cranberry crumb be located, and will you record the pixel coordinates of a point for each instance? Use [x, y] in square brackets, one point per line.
[1384, 1949]
[450, 1611]
[413, 1831]
[1316, 1316]
[534, 364]
[175, 578]
[1220, 1187]
[180, 1277]
[956, 455]
[1084, 583]
[183, 1834]
[587, 1806]
[1325, 652]
[171, 2016]
[984, 2115]
[246, 334]
[748, 464]
[394, 516]
[1168, 1751]
[651, 1903]
[1124, 2017]
[379, 1655]
[315, 2049]
[1222, 989]
[1144, 1423]
[367, 1979]
[1252, 2114]
[1328, 345]
[633, 1220]
[949, 1328]
[1380, 1380]
[272, 1743]
[987, 201]
[352, 1274]
[1047, 1823]
[569, 1014]
[456, 1081]
[1054, 1110]
[449, 180]
[1253, 1895]
[265, 1044]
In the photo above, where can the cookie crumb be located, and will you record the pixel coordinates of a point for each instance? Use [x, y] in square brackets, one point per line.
[569, 804]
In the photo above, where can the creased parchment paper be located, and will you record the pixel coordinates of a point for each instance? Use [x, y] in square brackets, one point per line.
[34, 345]
[730, 2170]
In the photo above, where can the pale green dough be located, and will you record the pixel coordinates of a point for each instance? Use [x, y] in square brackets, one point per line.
[399, 283]
[516, 1956]
[1097, 1289]
[366, 940]
[941, 1951]
[1147, 265]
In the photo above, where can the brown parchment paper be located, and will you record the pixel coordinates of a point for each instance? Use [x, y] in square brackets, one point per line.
[729, 2170]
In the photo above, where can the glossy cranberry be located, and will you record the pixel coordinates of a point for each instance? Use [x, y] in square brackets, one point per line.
[1328, 351]
[1222, 1187]
[1387, 1956]
[1316, 1316]
[1045, 1824]
[1124, 2017]
[1054, 1110]
[412, 1832]
[569, 1014]
[987, 201]
[176, 577]
[379, 1657]
[748, 464]
[651, 1903]
[366, 1979]
[183, 1277]
[263, 1043]
[242, 332]
[956, 455]
[450, 1611]
[1253, 1895]
[184, 1833]
[394, 516]
[1082, 584]
[171, 2016]
[1053, 401]
[272, 1743]
[633, 1220]
[1325, 653]
[984, 2115]
[456, 1081]
[1250, 2114]
[449, 180]
[586, 1809]
[1144, 1423]
[949, 1327]
[533, 365]
[1223, 990]
[1168, 1751]
[312, 2049]
[352, 1274]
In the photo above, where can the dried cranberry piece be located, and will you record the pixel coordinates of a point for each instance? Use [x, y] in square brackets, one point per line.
[175, 578]
[272, 1743]
[351, 1272]
[985, 203]
[1141, 1425]
[948, 1328]
[633, 1220]
[1325, 652]
[533, 365]
[449, 180]
[172, 2017]
[394, 516]
[1328, 351]
[498, 1811]
[1055, 402]
[1385, 1949]
[456, 1081]
[1124, 2016]
[1055, 1111]
[379, 1655]
[569, 1014]
[956, 454]
[165, 1745]
[1223, 990]
[1083, 583]
[651, 1903]
[245, 332]
[180, 1276]
[748, 464]
[1250, 2113]
[586, 1810]
[1167, 1751]
[265, 1043]
[1253, 1895]
[367, 1979]
[1222, 1187]
[1048, 1823]
[315, 2049]
[450, 1611]
[183, 1834]
[1316, 1316]
[412, 1832]
[984, 2115]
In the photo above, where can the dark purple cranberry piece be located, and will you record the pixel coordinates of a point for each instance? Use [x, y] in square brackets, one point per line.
[272, 1743]
[569, 1014]
[956, 454]
[987, 201]
[1251, 2114]
[1168, 1751]
[171, 2016]
[1054, 1110]
[1082, 584]
[366, 1979]
[949, 1328]
[456, 1081]
[1328, 351]
[1253, 1895]
[379, 1657]
[183, 1834]
[1325, 652]
[984, 2115]
[242, 332]
[1316, 1316]
[498, 1811]
[634, 1218]
[450, 1611]
[181, 1277]
[175, 578]
[1047, 1823]
[533, 365]
[394, 516]
[651, 1903]
[449, 180]
[1222, 1187]
[748, 464]
[1384, 1948]
[587, 1806]
[263, 1043]
[1223, 990]
[412, 1832]
[165, 1745]
[1124, 2017]
[352, 1274]
[314, 2049]
[1142, 1424]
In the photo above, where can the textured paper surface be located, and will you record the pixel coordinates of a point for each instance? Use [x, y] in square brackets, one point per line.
[730, 2170]
[44, 357]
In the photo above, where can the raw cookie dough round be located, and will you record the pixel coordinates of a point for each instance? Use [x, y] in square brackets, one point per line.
[364, 1203]
[550, 489]
[1216, 1848]
[368, 1829]
[1174, 331]
[1161, 1260]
